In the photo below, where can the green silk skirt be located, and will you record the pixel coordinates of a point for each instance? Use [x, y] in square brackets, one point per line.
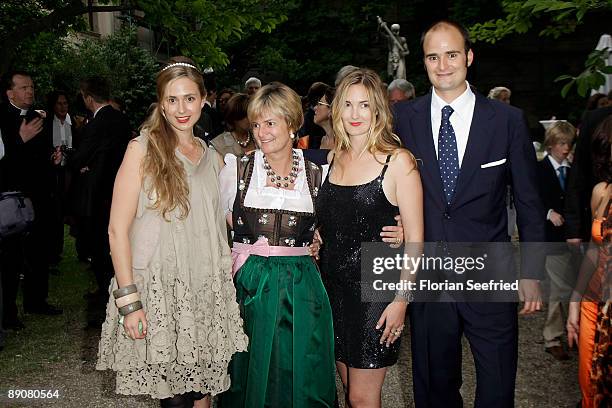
[287, 317]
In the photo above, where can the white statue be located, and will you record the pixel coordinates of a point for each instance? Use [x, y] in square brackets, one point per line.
[398, 49]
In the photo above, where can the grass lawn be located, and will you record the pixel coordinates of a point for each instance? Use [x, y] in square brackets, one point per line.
[47, 340]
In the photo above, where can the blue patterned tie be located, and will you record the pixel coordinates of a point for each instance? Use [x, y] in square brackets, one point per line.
[448, 157]
[562, 176]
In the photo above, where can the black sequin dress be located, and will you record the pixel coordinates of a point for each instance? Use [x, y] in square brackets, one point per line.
[348, 216]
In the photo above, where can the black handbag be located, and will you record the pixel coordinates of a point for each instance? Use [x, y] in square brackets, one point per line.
[16, 214]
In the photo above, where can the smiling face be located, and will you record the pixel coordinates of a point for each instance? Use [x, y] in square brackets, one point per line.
[446, 61]
[182, 104]
[356, 112]
[271, 133]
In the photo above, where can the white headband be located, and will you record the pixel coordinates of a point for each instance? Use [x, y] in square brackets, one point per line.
[179, 64]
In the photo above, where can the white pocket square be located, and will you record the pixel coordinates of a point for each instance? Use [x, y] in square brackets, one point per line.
[493, 164]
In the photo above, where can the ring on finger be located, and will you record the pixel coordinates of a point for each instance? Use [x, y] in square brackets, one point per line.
[398, 240]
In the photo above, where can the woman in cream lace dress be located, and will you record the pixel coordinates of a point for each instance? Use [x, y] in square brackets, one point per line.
[172, 324]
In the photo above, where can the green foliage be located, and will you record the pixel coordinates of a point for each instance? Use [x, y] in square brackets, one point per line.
[317, 39]
[196, 28]
[130, 69]
[561, 17]
[199, 28]
[592, 77]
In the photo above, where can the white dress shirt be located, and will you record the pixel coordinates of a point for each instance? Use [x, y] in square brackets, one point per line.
[461, 119]
[62, 132]
[261, 196]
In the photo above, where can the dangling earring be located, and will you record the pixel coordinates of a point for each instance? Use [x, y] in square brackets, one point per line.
[292, 135]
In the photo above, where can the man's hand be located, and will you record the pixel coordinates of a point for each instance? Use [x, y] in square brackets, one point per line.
[28, 130]
[57, 156]
[556, 219]
[531, 294]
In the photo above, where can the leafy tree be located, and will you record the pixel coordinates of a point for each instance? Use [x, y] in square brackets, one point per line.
[192, 27]
[130, 69]
[560, 17]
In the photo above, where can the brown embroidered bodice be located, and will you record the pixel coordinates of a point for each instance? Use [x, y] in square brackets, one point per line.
[280, 227]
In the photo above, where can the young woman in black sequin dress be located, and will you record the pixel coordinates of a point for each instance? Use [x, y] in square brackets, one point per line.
[370, 181]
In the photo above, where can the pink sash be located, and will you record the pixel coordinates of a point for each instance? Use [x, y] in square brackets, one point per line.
[241, 252]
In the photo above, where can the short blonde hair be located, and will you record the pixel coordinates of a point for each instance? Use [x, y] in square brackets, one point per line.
[559, 132]
[380, 135]
[277, 99]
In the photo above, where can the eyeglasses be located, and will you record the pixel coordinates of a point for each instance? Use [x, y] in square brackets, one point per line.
[323, 104]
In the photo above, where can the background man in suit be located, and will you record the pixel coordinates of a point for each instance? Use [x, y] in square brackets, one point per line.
[553, 173]
[103, 143]
[467, 146]
[28, 153]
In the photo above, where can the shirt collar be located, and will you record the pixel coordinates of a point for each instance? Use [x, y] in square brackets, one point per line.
[98, 110]
[22, 112]
[67, 121]
[555, 164]
[461, 105]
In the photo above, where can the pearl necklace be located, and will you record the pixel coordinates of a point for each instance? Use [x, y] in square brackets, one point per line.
[280, 181]
[245, 143]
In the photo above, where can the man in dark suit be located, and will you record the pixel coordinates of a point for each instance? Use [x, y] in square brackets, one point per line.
[27, 160]
[468, 147]
[97, 160]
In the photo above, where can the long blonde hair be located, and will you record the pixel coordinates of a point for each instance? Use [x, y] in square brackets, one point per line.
[381, 138]
[168, 186]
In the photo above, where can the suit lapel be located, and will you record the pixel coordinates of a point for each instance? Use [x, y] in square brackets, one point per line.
[477, 146]
[423, 137]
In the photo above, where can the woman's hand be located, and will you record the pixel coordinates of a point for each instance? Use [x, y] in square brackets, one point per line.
[131, 323]
[393, 319]
[315, 247]
[573, 324]
[394, 234]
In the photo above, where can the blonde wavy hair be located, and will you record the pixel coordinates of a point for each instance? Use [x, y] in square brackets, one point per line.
[168, 188]
[381, 138]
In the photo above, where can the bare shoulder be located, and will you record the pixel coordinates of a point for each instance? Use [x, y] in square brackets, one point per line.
[402, 160]
[135, 150]
[600, 189]
[599, 198]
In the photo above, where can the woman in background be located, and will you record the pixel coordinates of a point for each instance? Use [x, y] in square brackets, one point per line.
[238, 139]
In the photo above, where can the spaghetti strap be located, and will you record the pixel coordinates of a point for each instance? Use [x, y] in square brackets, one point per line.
[384, 170]
[330, 167]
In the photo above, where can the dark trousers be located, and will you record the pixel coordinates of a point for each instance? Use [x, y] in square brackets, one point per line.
[26, 254]
[11, 261]
[436, 330]
[57, 209]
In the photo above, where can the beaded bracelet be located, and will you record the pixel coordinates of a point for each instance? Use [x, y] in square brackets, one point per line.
[132, 307]
[126, 290]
